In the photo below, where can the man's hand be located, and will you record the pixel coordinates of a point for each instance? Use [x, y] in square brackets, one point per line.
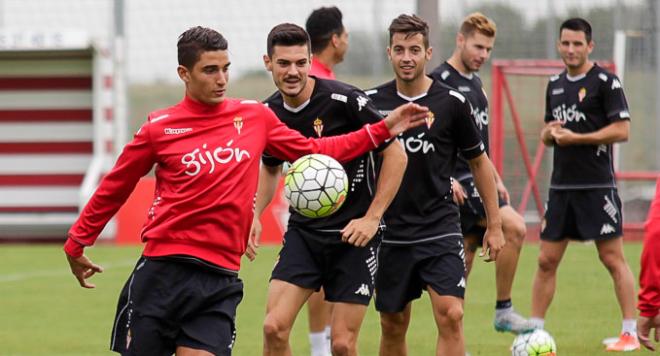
[493, 244]
[564, 136]
[644, 327]
[502, 192]
[459, 192]
[83, 268]
[360, 231]
[253, 239]
[405, 117]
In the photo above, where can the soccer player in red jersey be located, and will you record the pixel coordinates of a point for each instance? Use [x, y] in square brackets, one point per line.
[649, 278]
[329, 40]
[182, 295]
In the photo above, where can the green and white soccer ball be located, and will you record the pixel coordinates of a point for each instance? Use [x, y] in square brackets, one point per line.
[316, 185]
[535, 343]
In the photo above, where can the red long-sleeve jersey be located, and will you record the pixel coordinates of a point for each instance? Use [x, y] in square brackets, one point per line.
[649, 277]
[207, 167]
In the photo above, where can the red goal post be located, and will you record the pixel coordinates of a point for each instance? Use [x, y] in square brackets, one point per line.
[501, 97]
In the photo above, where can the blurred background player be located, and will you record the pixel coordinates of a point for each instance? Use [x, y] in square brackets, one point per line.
[329, 40]
[197, 228]
[586, 113]
[338, 252]
[474, 44]
[422, 248]
[648, 322]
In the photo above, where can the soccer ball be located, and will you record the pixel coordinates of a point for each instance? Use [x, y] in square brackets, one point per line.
[535, 343]
[316, 185]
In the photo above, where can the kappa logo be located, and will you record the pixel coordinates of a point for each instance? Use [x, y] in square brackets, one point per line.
[363, 290]
[607, 229]
[171, 131]
[601, 148]
[461, 283]
[616, 84]
[361, 101]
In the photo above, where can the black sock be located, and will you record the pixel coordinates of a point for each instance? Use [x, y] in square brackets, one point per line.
[503, 304]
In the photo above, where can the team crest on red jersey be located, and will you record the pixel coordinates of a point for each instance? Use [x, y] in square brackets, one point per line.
[238, 124]
[318, 127]
[429, 119]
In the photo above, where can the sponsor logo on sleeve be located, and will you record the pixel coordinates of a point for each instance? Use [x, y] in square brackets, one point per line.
[339, 97]
[177, 131]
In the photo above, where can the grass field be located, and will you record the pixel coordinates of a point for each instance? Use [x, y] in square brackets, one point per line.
[44, 312]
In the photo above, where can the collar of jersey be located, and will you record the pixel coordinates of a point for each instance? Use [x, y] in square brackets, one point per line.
[297, 109]
[414, 98]
[468, 76]
[201, 108]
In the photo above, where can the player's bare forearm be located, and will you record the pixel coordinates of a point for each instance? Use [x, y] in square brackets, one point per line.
[482, 170]
[359, 232]
[268, 178]
[612, 133]
[389, 178]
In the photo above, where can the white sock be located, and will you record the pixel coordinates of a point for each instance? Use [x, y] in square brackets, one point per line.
[537, 322]
[503, 311]
[629, 326]
[318, 344]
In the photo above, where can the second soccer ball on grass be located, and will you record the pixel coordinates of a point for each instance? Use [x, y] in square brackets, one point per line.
[535, 343]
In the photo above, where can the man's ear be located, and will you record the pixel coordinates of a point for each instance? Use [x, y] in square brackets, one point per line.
[184, 73]
[267, 63]
[335, 40]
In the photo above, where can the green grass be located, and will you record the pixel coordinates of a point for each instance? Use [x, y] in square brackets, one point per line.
[44, 312]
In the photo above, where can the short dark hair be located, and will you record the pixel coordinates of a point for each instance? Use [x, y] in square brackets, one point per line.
[197, 40]
[287, 34]
[577, 24]
[411, 25]
[321, 24]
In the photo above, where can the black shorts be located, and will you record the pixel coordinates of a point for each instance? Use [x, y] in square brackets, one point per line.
[473, 211]
[313, 259]
[168, 303]
[587, 214]
[406, 270]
